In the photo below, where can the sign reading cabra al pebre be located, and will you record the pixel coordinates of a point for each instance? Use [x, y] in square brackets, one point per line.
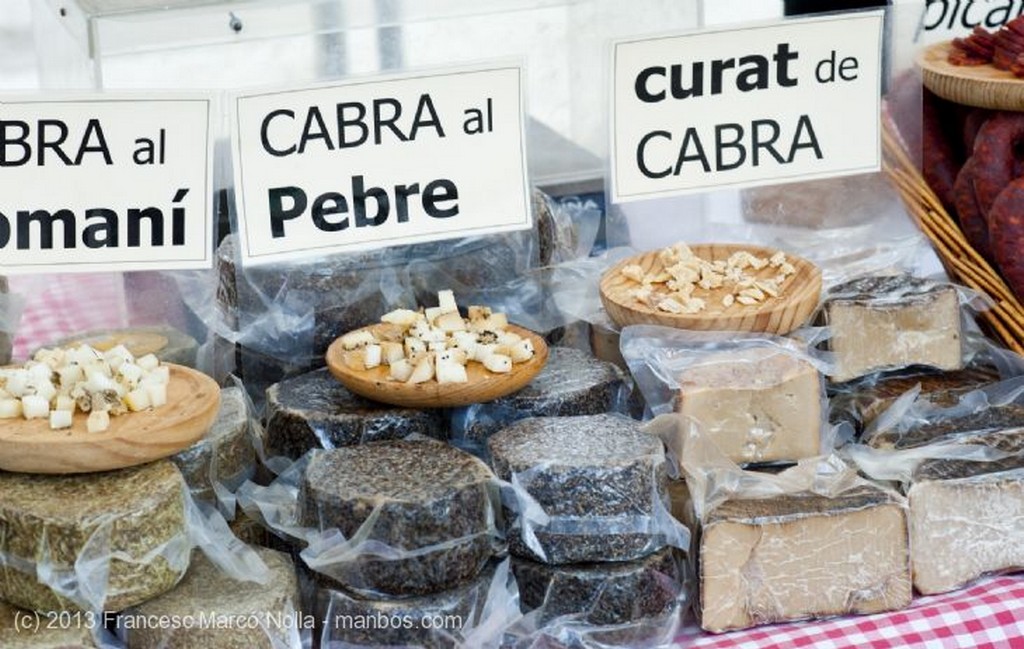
[762, 104]
[380, 162]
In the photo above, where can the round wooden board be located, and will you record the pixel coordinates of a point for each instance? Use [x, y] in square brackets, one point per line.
[482, 386]
[983, 86]
[29, 446]
[778, 315]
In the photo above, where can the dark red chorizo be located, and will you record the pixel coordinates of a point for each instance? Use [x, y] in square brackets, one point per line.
[941, 157]
[972, 219]
[973, 121]
[998, 156]
[1006, 232]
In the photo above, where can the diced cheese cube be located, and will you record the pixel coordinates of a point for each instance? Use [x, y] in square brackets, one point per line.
[39, 373]
[451, 322]
[481, 352]
[355, 359]
[17, 383]
[60, 419]
[357, 339]
[161, 374]
[413, 345]
[97, 367]
[157, 394]
[451, 372]
[44, 389]
[434, 336]
[423, 372]
[437, 347]
[497, 322]
[65, 402]
[454, 355]
[478, 313]
[10, 408]
[508, 338]
[118, 355]
[130, 372]
[97, 381]
[34, 407]
[149, 362]
[446, 302]
[70, 375]
[432, 312]
[521, 351]
[98, 421]
[402, 317]
[391, 352]
[372, 357]
[401, 370]
[137, 399]
[498, 363]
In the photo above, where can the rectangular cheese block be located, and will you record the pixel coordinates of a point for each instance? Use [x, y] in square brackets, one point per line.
[966, 521]
[803, 556]
[888, 322]
[757, 404]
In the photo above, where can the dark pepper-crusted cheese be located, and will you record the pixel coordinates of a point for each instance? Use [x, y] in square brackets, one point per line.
[616, 592]
[599, 478]
[314, 410]
[434, 507]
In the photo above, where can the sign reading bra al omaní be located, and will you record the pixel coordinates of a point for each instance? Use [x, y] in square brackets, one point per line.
[755, 105]
[111, 182]
[380, 162]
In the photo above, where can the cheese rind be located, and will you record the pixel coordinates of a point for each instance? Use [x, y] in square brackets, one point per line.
[889, 322]
[207, 591]
[131, 522]
[965, 527]
[803, 556]
[756, 404]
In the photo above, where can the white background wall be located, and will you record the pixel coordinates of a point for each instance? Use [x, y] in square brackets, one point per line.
[17, 51]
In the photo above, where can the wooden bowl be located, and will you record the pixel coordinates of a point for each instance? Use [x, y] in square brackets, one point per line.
[482, 386]
[29, 446]
[983, 86]
[776, 315]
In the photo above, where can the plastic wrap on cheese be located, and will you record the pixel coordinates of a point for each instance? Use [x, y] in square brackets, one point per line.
[760, 398]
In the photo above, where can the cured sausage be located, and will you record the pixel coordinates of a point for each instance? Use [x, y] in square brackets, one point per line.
[1006, 223]
[972, 219]
[998, 156]
[941, 160]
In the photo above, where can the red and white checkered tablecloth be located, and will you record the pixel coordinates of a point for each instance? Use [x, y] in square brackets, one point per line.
[987, 615]
[61, 305]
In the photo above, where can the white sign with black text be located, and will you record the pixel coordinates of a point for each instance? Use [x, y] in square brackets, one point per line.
[380, 162]
[117, 182]
[762, 104]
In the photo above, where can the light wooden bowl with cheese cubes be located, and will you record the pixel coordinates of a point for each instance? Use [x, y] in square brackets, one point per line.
[720, 287]
[436, 358]
[82, 410]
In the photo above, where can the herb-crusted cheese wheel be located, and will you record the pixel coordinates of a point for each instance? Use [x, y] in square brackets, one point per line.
[599, 478]
[571, 383]
[225, 455]
[813, 556]
[616, 592]
[132, 522]
[15, 633]
[314, 410]
[435, 511]
[207, 591]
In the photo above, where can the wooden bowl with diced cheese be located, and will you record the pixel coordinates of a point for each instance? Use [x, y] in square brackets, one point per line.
[436, 358]
[720, 287]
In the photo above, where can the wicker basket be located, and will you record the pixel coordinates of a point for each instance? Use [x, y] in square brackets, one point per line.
[1005, 320]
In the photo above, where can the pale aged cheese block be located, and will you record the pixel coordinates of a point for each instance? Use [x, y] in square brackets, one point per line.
[132, 519]
[757, 404]
[888, 322]
[595, 476]
[803, 556]
[270, 611]
[314, 410]
[615, 592]
[166, 343]
[435, 511]
[435, 621]
[966, 520]
[225, 455]
[51, 634]
[571, 383]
